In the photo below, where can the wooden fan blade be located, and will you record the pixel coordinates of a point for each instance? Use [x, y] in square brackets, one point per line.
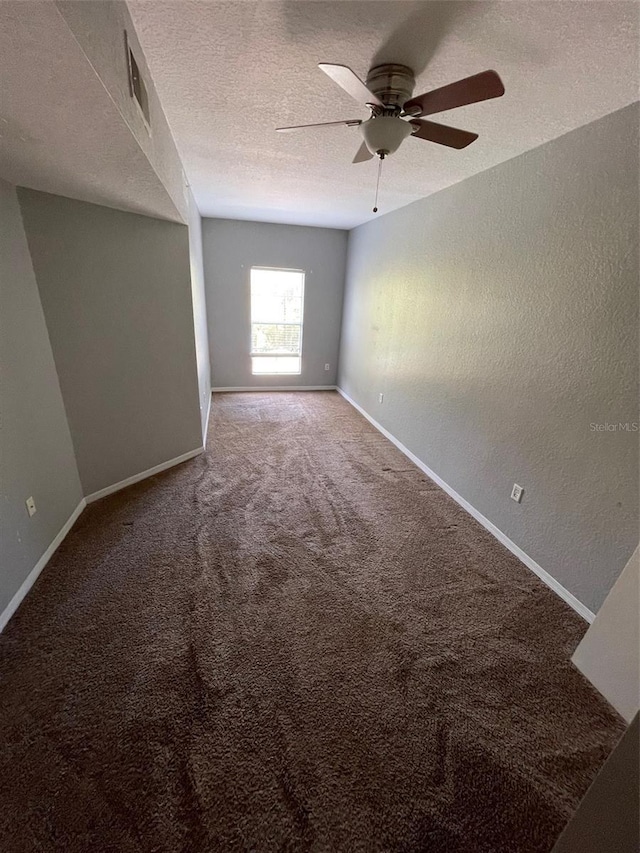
[480, 87]
[350, 82]
[350, 122]
[443, 135]
[362, 154]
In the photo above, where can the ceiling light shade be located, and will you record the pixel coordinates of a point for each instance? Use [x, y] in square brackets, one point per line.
[383, 134]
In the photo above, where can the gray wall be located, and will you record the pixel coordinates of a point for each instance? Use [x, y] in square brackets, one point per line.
[231, 248]
[500, 319]
[36, 452]
[609, 653]
[116, 293]
[198, 298]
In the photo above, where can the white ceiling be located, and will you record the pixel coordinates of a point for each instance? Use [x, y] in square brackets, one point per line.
[229, 73]
[60, 131]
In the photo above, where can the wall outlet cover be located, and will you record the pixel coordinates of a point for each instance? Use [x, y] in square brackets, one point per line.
[516, 493]
[31, 506]
[326, 367]
[381, 398]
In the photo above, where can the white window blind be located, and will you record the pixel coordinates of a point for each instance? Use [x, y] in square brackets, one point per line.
[277, 298]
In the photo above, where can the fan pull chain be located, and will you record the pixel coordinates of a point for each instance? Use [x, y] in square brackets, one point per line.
[375, 204]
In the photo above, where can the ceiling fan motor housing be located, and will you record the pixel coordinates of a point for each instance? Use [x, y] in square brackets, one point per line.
[393, 84]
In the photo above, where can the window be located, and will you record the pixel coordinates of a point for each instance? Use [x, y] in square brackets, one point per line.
[276, 320]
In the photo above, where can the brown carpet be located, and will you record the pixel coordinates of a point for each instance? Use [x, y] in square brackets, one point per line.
[296, 642]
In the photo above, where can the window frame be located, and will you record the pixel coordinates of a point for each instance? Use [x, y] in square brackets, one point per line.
[253, 355]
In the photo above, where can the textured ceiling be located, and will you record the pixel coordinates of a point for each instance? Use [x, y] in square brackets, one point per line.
[60, 131]
[229, 73]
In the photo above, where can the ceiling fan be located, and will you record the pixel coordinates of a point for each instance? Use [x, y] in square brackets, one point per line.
[395, 114]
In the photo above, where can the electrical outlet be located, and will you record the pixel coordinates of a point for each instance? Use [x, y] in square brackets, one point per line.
[326, 367]
[31, 506]
[381, 398]
[516, 493]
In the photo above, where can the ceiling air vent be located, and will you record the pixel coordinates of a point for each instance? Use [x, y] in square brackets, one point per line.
[137, 89]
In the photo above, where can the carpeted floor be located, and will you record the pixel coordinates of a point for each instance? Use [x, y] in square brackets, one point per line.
[296, 642]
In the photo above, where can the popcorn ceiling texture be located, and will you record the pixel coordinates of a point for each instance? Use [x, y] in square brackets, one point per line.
[296, 642]
[229, 73]
[99, 28]
[60, 130]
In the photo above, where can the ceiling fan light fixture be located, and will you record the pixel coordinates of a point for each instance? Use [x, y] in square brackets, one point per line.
[384, 134]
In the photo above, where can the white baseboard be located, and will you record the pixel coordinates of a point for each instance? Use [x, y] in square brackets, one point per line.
[109, 490]
[222, 390]
[32, 577]
[528, 561]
